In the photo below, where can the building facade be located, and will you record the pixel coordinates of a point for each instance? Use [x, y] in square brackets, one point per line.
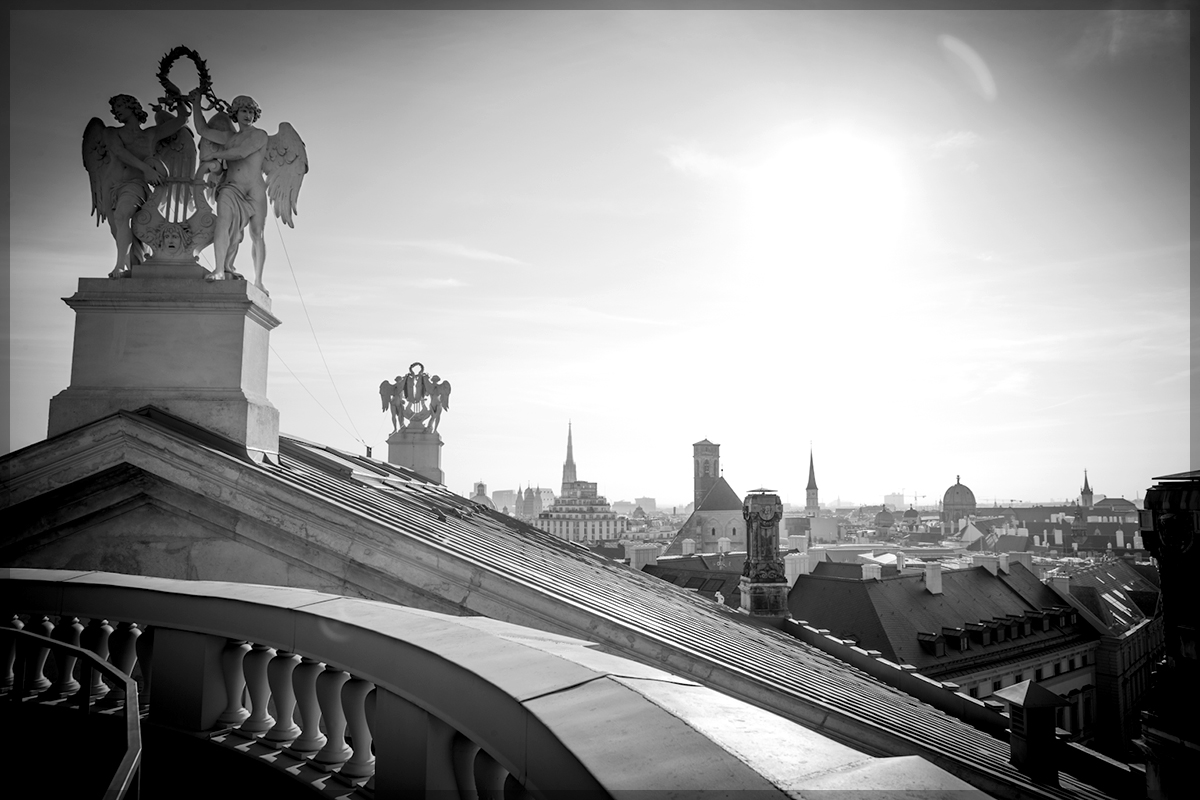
[580, 513]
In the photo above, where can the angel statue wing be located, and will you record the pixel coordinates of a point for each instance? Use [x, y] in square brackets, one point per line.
[385, 394]
[444, 391]
[104, 171]
[285, 166]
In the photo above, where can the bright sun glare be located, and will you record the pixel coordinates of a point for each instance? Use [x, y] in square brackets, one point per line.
[837, 197]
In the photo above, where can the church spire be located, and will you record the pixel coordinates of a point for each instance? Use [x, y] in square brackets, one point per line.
[812, 506]
[568, 475]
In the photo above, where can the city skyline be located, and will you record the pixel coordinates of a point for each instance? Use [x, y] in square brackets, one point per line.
[929, 243]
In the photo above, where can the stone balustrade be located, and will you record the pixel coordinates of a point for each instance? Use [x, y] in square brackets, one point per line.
[382, 701]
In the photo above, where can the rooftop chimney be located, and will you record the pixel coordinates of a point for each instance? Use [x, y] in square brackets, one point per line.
[689, 547]
[643, 555]
[798, 542]
[989, 562]
[1025, 559]
[900, 561]
[1003, 563]
[724, 544]
[1031, 740]
[872, 572]
[795, 565]
[933, 577]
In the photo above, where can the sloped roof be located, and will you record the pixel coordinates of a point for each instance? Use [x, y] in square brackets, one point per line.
[523, 567]
[888, 614]
[721, 497]
[1123, 596]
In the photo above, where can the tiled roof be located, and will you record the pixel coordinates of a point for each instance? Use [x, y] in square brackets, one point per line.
[888, 614]
[721, 497]
[1116, 593]
[697, 637]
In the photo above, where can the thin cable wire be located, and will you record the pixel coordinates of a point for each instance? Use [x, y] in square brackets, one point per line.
[310, 394]
[311, 328]
[297, 378]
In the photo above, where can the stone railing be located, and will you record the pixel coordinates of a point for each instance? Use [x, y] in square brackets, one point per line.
[114, 764]
[360, 698]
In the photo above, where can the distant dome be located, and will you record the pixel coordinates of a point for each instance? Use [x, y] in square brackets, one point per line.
[884, 519]
[484, 500]
[958, 502]
[912, 513]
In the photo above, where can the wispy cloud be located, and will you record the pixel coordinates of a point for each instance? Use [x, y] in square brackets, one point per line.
[690, 159]
[455, 250]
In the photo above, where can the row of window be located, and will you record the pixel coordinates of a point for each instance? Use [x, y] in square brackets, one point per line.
[1041, 673]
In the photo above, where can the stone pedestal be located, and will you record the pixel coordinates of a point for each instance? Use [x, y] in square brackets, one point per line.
[764, 599]
[197, 350]
[419, 451]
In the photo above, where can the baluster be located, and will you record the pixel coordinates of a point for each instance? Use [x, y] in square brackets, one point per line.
[144, 649]
[235, 682]
[10, 655]
[38, 682]
[122, 654]
[68, 632]
[329, 695]
[255, 665]
[489, 777]
[369, 706]
[95, 638]
[279, 676]
[463, 753]
[354, 705]
[304, 682]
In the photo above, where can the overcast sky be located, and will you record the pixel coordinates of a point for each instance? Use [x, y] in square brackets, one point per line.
[929, 243]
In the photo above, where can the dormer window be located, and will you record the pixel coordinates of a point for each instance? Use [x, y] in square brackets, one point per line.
[932, 643]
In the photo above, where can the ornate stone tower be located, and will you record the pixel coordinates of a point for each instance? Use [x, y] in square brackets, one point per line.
[1085, 495]
[707, 461]
[811, 506]
[764, 583]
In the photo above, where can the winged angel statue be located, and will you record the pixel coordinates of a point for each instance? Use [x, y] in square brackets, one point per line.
[240, 167]
[416, 400]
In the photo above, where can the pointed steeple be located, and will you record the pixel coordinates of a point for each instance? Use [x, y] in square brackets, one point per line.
[1086, 488]
[812, 506]
[1085, 496]
[568, 475]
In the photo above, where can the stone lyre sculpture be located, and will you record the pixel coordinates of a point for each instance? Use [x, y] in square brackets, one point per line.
[416, 400]
[161, 207]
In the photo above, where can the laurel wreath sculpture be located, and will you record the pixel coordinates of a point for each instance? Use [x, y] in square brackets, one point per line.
[164, 69]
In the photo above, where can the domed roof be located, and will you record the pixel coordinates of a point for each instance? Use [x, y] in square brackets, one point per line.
[484, 500]
[884, 519]
[911, 513]
[958, 495]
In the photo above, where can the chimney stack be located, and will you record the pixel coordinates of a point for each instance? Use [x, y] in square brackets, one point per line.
[900, 561]
[1032, 744]
[798, 542]
[1025, 558]
[1004, 563]
[1121, 540]
[872, 572]
[989, 562]
[643, 555]
[724, 544]
[933, 577]
[794, 566]
[689, 547]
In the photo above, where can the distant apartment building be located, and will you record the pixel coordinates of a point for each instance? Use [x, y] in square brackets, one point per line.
[983, 628]
[647, 504]
[580, 513]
